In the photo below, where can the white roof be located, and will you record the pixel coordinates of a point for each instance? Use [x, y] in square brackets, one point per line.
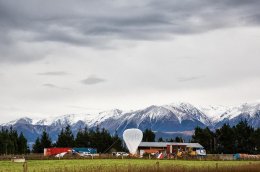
[164, 144]
[154, 144]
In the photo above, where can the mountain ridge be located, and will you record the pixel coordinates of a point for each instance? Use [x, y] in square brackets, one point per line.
[170, 119]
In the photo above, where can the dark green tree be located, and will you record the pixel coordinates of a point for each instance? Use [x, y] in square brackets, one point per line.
[160, 139]
[243, 138]
[148, 136]
[22, 144]
[45, 140]
[117, 143]
[94, 137]
[11, 142]
[41, 143]
[105, 140]
[179, 139]
[4, 141]
[225, 139]
[256, 141]
[82, 138]
[205, 137]
[12, 145]
[37, 146]
[65, 138]
[170, 140]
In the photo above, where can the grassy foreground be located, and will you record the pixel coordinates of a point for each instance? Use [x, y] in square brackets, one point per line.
[107, 165]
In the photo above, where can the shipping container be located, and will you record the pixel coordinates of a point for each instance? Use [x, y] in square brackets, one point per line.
[84, 150]
[55, 151]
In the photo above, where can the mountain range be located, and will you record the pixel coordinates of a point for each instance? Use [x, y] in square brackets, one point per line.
[167, 121]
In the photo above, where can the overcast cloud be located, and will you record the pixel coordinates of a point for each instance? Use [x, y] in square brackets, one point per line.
[92, 80]
[126, 54]
[55, 73]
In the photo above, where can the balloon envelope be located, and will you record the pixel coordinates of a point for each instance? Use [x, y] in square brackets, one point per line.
[132, 138]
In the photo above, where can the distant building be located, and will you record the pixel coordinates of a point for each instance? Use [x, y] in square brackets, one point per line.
[177, 149]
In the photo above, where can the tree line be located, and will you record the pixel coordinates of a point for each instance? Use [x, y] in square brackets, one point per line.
[240, 138]
[99, 139]
[12, 143]
[149, 136]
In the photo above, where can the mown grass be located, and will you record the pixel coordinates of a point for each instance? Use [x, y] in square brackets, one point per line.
[125, 165]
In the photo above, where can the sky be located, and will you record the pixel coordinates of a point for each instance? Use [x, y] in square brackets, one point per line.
[82, 56]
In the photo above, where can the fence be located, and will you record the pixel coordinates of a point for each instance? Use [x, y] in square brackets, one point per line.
[209, 157]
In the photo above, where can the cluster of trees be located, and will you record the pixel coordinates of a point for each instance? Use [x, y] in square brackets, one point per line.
[12, 143]
[240, 138]
[41, 143]
[149, 136]
[99, 139]
[176, 139]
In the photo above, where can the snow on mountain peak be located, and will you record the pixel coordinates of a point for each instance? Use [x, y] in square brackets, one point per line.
[24, 120]
[102, 116]
[112, 113]
[65, 119]
[207, 115]
[155, 111]
[246, 108]
[250, 108]
[214, 113]
[185, 111]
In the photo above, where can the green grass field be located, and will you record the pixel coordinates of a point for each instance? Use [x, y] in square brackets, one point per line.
[115, 165]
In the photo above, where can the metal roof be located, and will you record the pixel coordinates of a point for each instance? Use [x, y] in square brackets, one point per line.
[164, 144]
[153, 144]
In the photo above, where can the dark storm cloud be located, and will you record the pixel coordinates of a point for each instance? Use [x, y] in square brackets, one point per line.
[96, 23]
[55, 73]
[92, 80]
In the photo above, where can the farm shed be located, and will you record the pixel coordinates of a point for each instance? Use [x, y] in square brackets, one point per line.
[168, 147]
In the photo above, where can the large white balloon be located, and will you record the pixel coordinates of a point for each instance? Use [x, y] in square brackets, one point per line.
[132, 138]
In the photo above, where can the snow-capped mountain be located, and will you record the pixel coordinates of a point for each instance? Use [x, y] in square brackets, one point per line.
[69, 119]
[166, 120]
[214, 113]
[24, 120]
[248, 111]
